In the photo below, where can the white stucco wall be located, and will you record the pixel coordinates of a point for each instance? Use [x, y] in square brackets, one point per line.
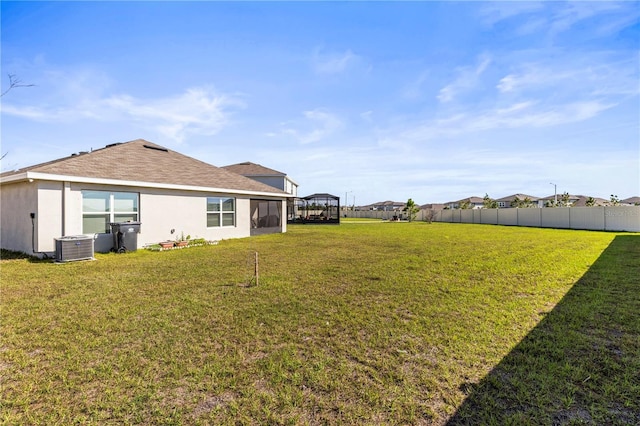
[161, 211]
[58, 208]
[16, 202]
[186, 213]
[291, 187]
[49, 224]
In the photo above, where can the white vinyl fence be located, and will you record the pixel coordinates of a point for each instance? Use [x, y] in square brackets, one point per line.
[618, 218]
[615, 218]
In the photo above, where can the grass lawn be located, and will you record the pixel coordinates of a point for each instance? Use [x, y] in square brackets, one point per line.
[387, 323]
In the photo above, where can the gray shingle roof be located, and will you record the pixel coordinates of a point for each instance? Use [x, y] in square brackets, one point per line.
[582, 201]
[631, 200]
[252, 169]
[143, 161]
[472, 199]
[520, 196]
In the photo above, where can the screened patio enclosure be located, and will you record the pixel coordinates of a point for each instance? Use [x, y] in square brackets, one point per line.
[265, 217]
[317, 208]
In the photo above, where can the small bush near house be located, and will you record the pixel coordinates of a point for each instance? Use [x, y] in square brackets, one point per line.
[381, 323]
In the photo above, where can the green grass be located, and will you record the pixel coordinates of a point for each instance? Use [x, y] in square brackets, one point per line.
[392, 323]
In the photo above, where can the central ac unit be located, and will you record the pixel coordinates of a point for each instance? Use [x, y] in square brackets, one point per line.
[74, 247]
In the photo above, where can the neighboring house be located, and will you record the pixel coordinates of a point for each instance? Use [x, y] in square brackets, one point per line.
[432, 206]
[631, 201]
[265, 175]
[170, 194]
[506, 202]
[572, 200]
[269, 177]
[386, 206]
[584, 199]
[474, 203]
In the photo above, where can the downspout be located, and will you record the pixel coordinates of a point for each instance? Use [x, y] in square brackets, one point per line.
[64, 209]
[32, 215]
[33, 237]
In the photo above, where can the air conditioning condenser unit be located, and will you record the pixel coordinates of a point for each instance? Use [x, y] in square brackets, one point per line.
[74, 247]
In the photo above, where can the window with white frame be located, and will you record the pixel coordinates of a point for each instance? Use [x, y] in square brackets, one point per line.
[221, 212]
[100, 208]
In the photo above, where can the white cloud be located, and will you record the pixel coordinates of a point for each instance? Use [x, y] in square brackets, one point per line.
[367, 116]
[521, 115]
[318, 125]
[577, 77]
[467, 79]
[507, 83]
[494, 12]
[574, 12]
[333, 63]
[196, 111]
[414, 90]
[553, 18]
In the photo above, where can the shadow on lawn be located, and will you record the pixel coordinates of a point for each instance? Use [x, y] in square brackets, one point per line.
[580, 364]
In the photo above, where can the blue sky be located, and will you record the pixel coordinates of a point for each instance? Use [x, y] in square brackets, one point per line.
[434, 101]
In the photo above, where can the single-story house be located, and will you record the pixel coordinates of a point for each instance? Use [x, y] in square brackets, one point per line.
[387, 206]
[168, 193]
[265, 175]
[471, 202]
[571, 200]
[631, 201]
[583, 200]
[433, 206]
[511, 200]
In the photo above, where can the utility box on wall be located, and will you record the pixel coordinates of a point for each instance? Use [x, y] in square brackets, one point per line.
[74, 247]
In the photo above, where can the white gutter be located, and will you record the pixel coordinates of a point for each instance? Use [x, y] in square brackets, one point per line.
[100, 181]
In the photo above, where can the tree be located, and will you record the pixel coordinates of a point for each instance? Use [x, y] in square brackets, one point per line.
[564, 200]
[465, 205]
[13, 83]
[590, 202]
[489, 203]
[517, 202]
[614, 200]
[520, 203]
[411, 209]
[431, 214]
